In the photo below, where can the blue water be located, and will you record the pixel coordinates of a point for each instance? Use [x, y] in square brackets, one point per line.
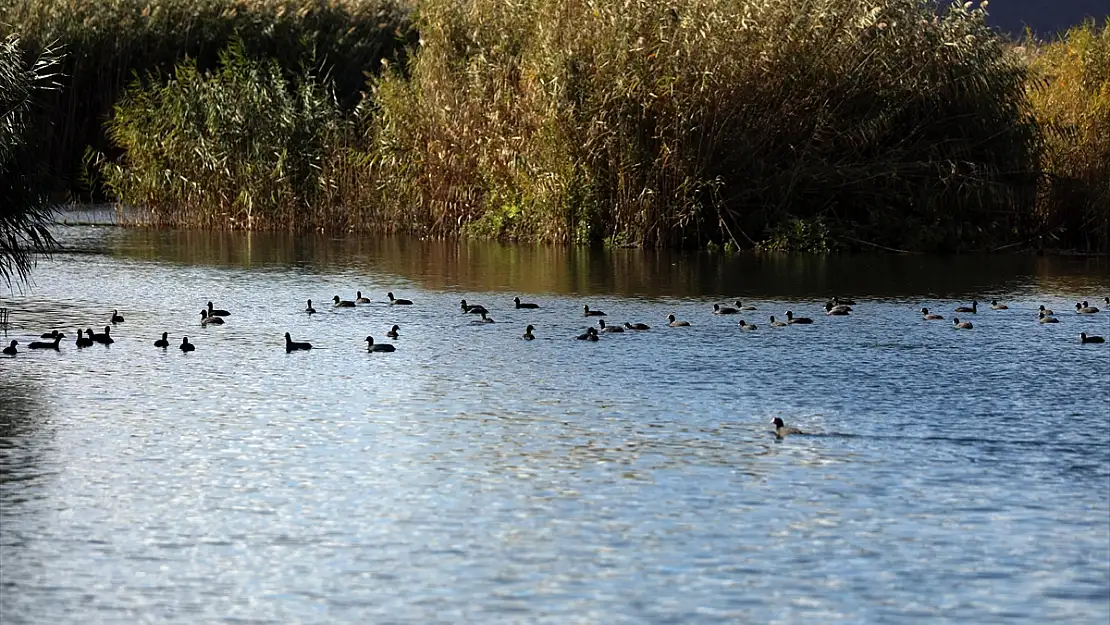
[946, 475]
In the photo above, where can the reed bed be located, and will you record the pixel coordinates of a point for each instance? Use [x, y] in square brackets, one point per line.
[771, 124]
[1070, 95]
[108, 43]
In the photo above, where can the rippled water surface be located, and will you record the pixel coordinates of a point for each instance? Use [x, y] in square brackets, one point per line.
[947, 476]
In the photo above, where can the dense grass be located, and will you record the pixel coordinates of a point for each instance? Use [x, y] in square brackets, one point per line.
[782, 123]
[107, 43]
[1070, 94]
[24, 212]
[773, 124]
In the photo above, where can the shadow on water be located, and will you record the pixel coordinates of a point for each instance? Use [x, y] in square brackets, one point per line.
[490, 266]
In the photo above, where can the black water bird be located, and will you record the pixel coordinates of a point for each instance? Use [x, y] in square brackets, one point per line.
[781, 430]
[605, 328]
[186, 346]
[1043, 318]
[744, 325]
[1083, 338]
[1045, 310]
[637, 326]
[974, 309]
[777, 324]
[586, 312]
[833, 310]
[103, 339]
[961, 325]
[589, 335]
[475, 309]
[791, 319]
[676, 324]
[724, 310]
[10, 350]
[379, 347]
[342, 303]
[393, 332]
[50, 335]
[925, 314]
[164, 341]
[740, 306]
[217, 312]
[1085, 309]
[292, 346]
[520, 304]
[996, 306]
[83, 341]
[528, 336]
[396, 301]
[205, 320]
[46, 345]
[116, 317]
[310, 310]
[359, 299]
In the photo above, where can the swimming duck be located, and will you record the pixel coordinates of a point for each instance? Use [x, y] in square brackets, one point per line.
[1085, 309]
[393, 332]
[205, 320]
[342, 303]
[46, 344]
[217, 312]
[676, 324]
[396, 301]
[164, 341]
[10, 350]
[528, 336]
[476, 309]
[964, 309]
[380, 347]
[589, 335]
[836, 303]
[1043, 318]
[586, 312]
[1045, 310]
[359, 299]
[103, 339]
[925, 314]
[484, 319]
[186, 346]
[291, 346]
[605, 328]
[116, 317]
[777, 324]
[50, 335]
[996, 306]
[840, 310]
[962, 325]
[781, 430]
[637, 326]
[724, 310]
[83, 341]
[310, 310]
[791, 319]
[520, 304]
[740, 306]
[1083, 338]
[744, 325]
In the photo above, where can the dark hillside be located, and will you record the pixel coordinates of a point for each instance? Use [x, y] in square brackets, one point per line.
[1044, 17]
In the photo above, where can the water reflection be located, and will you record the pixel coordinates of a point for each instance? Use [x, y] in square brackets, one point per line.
[491, 266]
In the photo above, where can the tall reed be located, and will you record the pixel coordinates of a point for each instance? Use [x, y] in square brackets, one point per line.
[1070, 94]
[110, 42]
[706, 119]
[24, 212]
[240, 147]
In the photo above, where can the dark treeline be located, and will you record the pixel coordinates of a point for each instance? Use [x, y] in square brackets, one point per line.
[771, 124]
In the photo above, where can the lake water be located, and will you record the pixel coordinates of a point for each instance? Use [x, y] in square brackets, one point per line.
[946, 475]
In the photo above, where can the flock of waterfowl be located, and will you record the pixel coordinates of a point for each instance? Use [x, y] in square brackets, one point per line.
[835, 307]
